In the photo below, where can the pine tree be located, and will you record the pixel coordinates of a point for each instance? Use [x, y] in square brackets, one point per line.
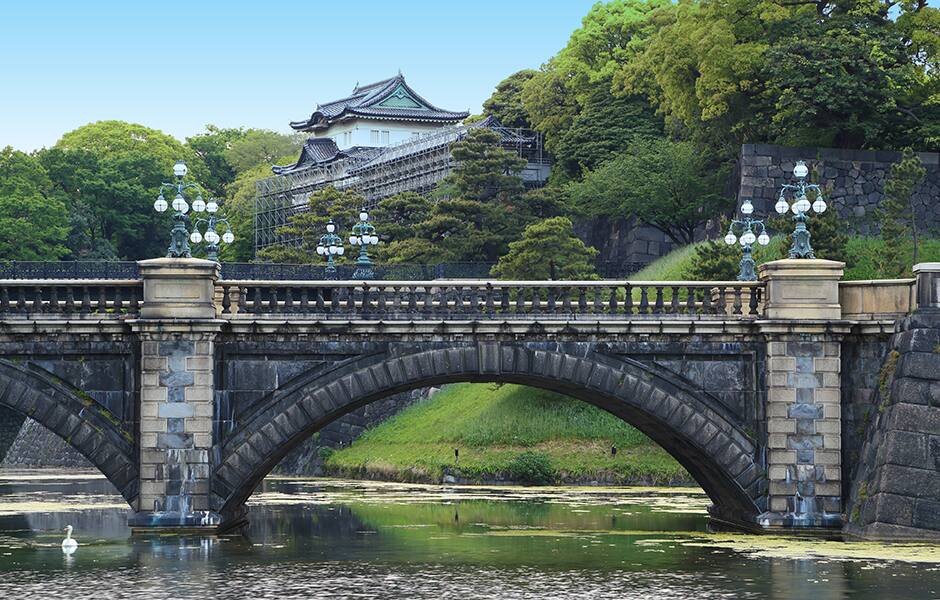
[896, 215]
[303, 230]
[547, 250]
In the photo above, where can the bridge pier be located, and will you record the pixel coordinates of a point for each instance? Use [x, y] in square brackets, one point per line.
[803, 408]
[177, 330]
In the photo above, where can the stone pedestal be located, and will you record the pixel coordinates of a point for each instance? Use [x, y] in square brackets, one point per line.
[928, 285]
[802, 289]
[179, 288]
[803, 407]
[177, 330]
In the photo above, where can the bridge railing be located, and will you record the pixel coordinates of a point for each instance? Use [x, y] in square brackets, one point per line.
[483, 299]
[96, 297]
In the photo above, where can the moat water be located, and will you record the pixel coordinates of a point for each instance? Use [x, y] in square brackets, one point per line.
[343, 539]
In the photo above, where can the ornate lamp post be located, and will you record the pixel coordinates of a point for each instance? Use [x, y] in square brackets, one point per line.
[363, 235]
[179, 244]
[330, 245]
[801, 247]
[746, 228]
[211, 236]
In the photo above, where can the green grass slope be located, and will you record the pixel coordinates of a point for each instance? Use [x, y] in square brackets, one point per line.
[506, 432]
[862, 253]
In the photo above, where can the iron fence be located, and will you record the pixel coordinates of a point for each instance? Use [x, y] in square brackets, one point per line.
[62, 270]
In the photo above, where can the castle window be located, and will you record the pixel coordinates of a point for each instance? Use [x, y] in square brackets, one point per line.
[374, 137]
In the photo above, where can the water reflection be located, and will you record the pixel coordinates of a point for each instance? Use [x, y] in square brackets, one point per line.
[345, 539]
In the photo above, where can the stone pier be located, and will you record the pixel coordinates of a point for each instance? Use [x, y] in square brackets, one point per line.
[803, 410]
[177, 330]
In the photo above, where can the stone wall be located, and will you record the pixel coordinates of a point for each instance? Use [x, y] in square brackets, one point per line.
[10, 423]
[624, 245]
[35, 446]
[854, 180]
[896, 489]
[862, 357]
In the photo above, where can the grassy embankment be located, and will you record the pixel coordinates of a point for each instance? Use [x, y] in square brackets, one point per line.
[506, 432]
[520, 433]
[861, 253]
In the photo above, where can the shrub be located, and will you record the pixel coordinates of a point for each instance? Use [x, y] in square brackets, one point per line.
[532, 468]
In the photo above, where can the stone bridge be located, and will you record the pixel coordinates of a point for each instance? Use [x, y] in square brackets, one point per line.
[186, 390]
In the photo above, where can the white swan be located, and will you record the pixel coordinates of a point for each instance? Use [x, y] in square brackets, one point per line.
[68, 544]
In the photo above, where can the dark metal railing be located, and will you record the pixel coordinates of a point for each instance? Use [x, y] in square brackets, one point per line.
[479, 299]
[276, 271]
[104, 298]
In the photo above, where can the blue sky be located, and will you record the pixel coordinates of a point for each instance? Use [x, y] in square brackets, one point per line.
[176, 66]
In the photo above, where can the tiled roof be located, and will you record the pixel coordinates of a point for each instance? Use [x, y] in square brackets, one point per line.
[388, 99]
[319, 151]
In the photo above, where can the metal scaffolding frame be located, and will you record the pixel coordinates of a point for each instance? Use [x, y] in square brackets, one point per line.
[415, 165]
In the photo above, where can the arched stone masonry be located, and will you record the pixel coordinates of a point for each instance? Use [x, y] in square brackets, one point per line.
[692, 427]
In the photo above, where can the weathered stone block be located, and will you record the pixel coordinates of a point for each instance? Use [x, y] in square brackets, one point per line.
[923, 365]
[907, 449]
[805, 411]
[173, 441]
[906, 481]
[175, 410]
[781, 426]
[891, 508]
[926, 514]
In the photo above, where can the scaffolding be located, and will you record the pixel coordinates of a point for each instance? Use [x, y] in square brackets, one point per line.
[415, 165]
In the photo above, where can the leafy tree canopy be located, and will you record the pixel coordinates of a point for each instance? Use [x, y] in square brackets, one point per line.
[578, 81]
[842, 72]
[505, 104]
[121, 140]
[261, 146]
[34, 222]
[211, 146]
[669, 185]
[111, 172]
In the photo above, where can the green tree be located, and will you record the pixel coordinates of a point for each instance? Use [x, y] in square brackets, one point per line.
[851, 73]
[484, 171]
[548, 249]
[604, 126]
[578, 80]
[672, 186]
[33, 219]
[396, 217]
[239, 209]
[211, 147]
[112, 171]
[260, 146]
[505, 104]
[110, 200]
[478, 208]
[303, 229]
[896, 215]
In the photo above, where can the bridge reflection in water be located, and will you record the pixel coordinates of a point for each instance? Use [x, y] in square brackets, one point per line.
[342, 539]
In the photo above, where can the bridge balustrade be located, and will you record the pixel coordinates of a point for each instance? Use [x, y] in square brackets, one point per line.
[100, 298]
[480, 299]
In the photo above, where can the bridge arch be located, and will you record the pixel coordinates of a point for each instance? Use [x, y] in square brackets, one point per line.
[693, 427]
[75, 417]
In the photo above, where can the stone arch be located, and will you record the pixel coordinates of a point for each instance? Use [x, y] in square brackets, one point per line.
[693, 427]
[75, 417]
